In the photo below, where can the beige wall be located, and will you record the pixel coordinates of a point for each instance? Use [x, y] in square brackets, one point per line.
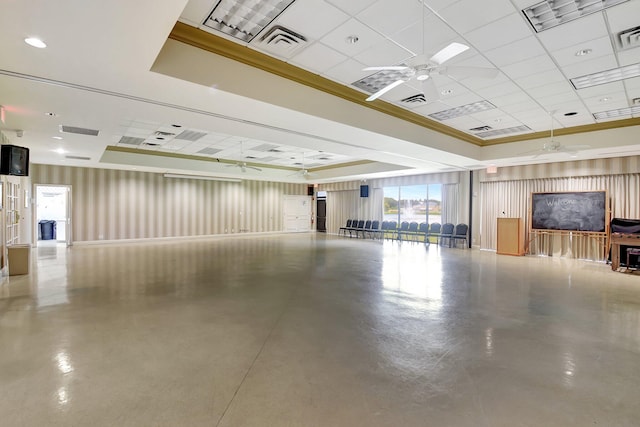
[113, 204]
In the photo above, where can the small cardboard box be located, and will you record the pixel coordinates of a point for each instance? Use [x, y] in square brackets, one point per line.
[19, 258]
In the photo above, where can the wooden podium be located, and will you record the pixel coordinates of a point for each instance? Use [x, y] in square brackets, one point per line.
[510, 236]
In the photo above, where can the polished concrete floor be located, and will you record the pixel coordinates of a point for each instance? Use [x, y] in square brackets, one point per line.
[315, 330]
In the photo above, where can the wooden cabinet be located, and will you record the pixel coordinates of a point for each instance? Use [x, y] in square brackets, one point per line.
[510, 236]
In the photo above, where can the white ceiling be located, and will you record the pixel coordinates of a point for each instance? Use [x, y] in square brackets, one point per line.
[107, 68]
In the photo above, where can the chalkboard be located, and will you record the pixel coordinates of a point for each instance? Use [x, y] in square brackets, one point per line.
[569, 211]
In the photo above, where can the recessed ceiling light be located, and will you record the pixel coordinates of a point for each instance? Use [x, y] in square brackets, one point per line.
[50, 114]
[497, 120]
[605, 99]
[447, 92]
[35, 42]
[613, 75]
[571, 113]
[353, 39]
[60, 150]
[613, 114]
[245, 19]
[57, 137]
[583, 52]
[463, 110]
[549, 13]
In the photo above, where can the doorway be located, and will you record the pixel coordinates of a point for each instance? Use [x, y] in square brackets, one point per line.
[53, 215]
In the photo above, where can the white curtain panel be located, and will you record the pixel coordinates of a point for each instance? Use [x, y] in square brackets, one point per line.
[512, 199]
[341, 206]
[450, 203]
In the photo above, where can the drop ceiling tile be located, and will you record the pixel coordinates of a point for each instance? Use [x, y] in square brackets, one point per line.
[599, 47]
[614, 101]
[574, 32]
[515, 52]
[632, 85]
[488, 117]
[628, 57]
[550, 89]
[560, 103]
[318, 58]
[351, 7]
[498, 90]
[493, 35]
[463, 99]
[346, 72]
[337, 39]
[578, 120]
[196, 11]
[511, 100]
[437, 5]
[384, 53]
[389, 17]
[602, 90]
[475, 83]
[529, 66]
[623, 16]
[541, 79]
[467, 15]
[303, 18]
[595, 65]
[428, 40]
[464, 123]
[432, 107]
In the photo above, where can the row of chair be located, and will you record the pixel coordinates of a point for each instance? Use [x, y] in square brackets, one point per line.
[411, 231]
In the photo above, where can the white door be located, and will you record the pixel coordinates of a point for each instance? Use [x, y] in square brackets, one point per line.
[297, 213]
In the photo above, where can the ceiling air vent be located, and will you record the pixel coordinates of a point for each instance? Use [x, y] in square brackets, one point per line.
[281, 40]
[190, 135]
[274, 150]
[151, 144]
[131, 140]
[250, 157]
[163, 134]
[481, 128]
[209, 151]
[79, 131]
[77, 158]
[628, 39]
[415, 99]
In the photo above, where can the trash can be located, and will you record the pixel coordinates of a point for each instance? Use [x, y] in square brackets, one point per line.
[19, 257]
[47, 229]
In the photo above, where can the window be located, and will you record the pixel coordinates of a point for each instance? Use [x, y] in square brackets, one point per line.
[413, 203]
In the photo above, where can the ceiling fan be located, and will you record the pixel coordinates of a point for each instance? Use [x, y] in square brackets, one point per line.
[243, 165]
[555, 147]
[422, 69]
[304, 172]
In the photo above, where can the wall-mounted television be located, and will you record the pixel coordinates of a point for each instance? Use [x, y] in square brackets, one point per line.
[14, 160]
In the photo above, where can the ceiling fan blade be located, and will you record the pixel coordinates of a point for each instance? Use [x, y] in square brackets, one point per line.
[384, 90]
[454, 49]
[464, 72]
[430, 90]
[386, 68]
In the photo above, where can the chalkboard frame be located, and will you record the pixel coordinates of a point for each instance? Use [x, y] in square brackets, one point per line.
[563, 195]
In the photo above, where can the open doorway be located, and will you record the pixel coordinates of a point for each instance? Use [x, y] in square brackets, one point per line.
[53, 214]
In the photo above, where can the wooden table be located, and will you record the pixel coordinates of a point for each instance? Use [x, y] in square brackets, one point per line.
[618, 239]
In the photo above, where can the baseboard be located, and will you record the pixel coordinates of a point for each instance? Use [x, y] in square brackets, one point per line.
[178, 238]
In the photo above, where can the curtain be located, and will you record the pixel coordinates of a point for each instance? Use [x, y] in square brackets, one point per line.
[512, 199]
[450, 203]
[344, 205]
